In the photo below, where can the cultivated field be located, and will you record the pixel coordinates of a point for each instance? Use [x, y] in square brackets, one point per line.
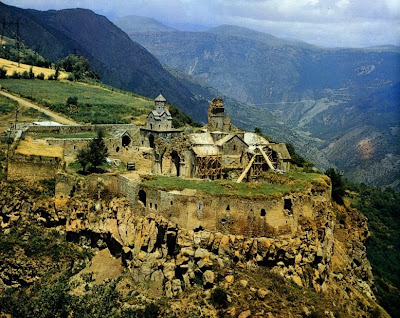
[95, 104]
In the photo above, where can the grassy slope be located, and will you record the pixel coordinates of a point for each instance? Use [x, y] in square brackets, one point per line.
[11, 66]
[276, 185]
[95, 104]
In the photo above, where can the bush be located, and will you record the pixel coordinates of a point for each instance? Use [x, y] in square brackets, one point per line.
[25, 75]
[151, 311]
[3, 72]
[219, 298]
[15, 75]
[72, 100]
[40, 76]
[296, 158]
[31, 74]
[71, 77]
[338, 187]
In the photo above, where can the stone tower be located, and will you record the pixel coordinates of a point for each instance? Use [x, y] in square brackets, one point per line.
[217, 120]
[160, 104]
[216, 114]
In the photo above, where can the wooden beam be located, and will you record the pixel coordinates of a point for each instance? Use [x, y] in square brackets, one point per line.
[269, 163]
[246, 170]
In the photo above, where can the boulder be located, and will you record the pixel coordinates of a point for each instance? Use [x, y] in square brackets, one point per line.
[208, 277]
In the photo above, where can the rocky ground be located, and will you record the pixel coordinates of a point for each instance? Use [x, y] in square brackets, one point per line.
[148, 265]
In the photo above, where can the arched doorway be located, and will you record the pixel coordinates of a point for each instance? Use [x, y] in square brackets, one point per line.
[151, 141]
[126, 140]
[142, 197]
[177, 162]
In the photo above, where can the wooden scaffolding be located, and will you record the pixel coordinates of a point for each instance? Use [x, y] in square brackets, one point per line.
[262, 160]
[209, 167]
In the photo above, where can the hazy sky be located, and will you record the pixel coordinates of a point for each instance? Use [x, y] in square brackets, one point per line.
[351, 23]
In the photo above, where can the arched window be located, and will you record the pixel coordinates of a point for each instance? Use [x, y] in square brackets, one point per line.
[142, 197]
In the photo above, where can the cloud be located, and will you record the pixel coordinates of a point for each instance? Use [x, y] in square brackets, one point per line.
[324, 22]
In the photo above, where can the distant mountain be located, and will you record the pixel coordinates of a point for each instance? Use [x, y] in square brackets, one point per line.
[309, 88]
[127, 65]
[119, 61]
[134, 23]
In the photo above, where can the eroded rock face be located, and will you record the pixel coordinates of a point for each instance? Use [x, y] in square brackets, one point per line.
[321, 254]
[155, 248]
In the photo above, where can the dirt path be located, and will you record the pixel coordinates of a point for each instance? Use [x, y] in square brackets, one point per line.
[55, 116]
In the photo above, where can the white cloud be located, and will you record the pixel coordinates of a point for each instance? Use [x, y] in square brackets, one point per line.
[323, 22]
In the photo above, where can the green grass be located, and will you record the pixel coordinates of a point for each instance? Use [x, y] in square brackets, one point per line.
[95, 104]
[67, 136]
[34, 113]
[7, 105]
[225, 187]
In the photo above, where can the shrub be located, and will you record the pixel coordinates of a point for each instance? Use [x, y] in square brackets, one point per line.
[72, 100]
[31, 74]
[3, 72]
[296, 158]
[338, 187]
[40, 76]
[219, 298]
[25, 75]
[151, 310]
[15, 75]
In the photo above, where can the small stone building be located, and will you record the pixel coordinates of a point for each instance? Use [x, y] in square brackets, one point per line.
[158, 124]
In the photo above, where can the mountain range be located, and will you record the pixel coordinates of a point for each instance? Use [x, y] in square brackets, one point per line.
[125, 64]
[343, 101]
[315, 98]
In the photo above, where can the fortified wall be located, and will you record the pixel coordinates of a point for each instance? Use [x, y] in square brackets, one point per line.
[250, 216]
[31, 130]
[33, 167]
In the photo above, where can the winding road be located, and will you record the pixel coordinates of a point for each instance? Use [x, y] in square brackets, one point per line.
[55, 116]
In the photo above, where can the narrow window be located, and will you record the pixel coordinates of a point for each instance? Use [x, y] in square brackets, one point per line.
[262, 213]
[228, 208]
[287, 204]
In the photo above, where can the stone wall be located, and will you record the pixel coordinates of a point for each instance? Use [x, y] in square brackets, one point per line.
[33, 167]
[77, 129]
[228, 214]
[115, 149]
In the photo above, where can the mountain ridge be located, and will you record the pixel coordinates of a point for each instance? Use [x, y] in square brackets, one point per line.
[304, 86]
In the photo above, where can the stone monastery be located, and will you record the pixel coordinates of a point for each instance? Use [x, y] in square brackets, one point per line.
[218, 151]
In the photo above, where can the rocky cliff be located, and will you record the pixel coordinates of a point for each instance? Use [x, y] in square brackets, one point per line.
[324, 265]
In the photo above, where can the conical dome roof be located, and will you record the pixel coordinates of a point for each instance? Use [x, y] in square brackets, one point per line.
[160, 98]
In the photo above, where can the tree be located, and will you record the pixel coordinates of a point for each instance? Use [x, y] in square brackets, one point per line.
[83, 158]
[3, 72]
[75, 64]
[96, 153]
[98, 150]
[296, 158]
[338, 187]
[258, 131]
